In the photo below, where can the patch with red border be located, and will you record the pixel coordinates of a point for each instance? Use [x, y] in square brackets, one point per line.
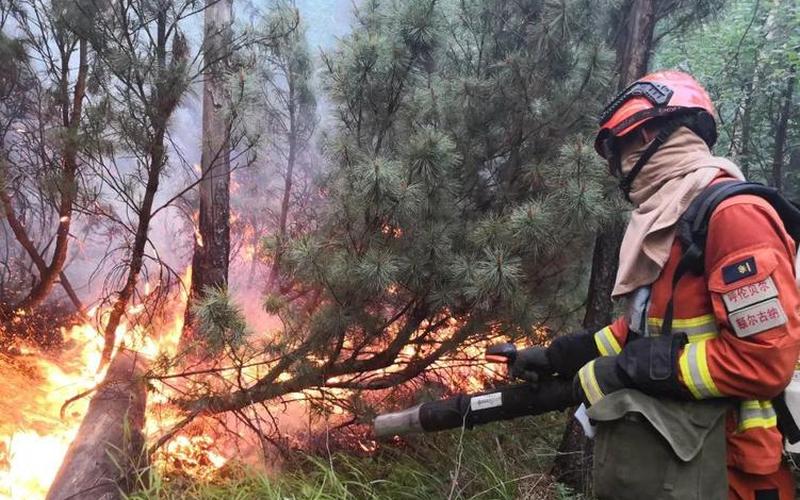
[757, 318]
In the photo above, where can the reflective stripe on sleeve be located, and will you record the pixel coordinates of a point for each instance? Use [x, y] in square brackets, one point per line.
[606, 342]
[755, 413]
[694, 370]
[589, 383]
[696, 329]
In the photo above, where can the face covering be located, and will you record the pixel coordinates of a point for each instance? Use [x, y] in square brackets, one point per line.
[679, 170]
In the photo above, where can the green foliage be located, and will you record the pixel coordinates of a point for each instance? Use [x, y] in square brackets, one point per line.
[746, 57]
[14, 59]
[451, 183]
[220, 321]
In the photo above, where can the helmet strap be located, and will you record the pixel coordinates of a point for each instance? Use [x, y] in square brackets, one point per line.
[627, 182]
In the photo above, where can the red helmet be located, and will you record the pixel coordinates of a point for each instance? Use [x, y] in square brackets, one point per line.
[659, 94]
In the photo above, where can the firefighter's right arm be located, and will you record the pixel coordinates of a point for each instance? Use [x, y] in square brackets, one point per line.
[567, 354]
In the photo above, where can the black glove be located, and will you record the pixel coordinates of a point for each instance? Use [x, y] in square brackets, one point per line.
[597, 379]
[567, 354]
[651, 365]
[564, 356]
[531, 364]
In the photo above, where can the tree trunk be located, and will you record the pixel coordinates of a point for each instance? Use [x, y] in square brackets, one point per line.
[746, 125]
[212, 245]
[634, 46]
[107, 457]
[782, 128]
[287, 188]
[163, 102]
[139, 245]
[572, 466]
[48, 275]
[30, 248]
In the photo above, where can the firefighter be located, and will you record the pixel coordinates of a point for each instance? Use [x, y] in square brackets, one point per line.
[735, 328]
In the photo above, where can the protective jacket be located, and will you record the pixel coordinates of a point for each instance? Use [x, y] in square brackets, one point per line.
[742, 322]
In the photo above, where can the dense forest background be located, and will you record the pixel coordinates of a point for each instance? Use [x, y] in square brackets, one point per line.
[367, 195]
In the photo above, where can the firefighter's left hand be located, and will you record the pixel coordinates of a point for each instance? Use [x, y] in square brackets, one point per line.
[598, 378]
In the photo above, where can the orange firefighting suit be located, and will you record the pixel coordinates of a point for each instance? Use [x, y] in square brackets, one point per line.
[742, 320]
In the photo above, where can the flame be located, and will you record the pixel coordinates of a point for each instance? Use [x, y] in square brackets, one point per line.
[33, 436]
[393, 231]
[248, 251]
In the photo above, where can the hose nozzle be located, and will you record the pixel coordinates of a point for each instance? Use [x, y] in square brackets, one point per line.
[398, 423]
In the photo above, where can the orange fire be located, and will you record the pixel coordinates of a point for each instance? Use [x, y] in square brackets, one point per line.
[33, 435]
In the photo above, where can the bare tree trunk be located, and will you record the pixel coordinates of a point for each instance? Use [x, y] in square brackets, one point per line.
[212, 247]
[782, 128]
[48, 275]
[635, 44]
[287, 188]
[573, 464]
[27, 244]
[107, 457]
[163, 102]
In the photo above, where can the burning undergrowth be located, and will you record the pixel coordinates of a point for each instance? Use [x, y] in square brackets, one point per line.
[38, 423]
[42, 330]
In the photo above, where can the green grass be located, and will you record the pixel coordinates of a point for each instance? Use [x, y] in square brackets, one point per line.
[498, 462]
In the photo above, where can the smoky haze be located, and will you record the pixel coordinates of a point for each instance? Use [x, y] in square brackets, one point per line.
[256, 183]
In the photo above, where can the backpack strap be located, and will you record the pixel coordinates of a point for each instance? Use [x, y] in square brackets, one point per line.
[692, 232]
[692, 228]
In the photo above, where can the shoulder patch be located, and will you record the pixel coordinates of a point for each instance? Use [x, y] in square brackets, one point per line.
[748, 295]
[739, 270]
[758, 318]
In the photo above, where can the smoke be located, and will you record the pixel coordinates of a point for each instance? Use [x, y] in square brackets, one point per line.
[98, 245]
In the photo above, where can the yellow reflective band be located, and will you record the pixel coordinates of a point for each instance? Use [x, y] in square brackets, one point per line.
[686, 322]
[606, 342]
[750, 423]
[698, 337]
[694, 370]
[696, 329]
[704, 371]
[683, 363]
[589, 383]
[756, 414]
[755, 404]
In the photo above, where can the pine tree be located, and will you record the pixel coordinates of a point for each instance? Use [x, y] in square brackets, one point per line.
[145, 55]
[459, 198]
[289, 108]
[38, 100]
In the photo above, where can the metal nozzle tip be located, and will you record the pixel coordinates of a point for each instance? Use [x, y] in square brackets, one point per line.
[397, 423]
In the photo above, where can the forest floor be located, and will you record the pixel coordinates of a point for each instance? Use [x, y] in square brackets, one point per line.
[505, 461]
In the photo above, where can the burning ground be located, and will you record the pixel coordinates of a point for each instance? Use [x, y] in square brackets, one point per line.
[45, 392]
[45, 395]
